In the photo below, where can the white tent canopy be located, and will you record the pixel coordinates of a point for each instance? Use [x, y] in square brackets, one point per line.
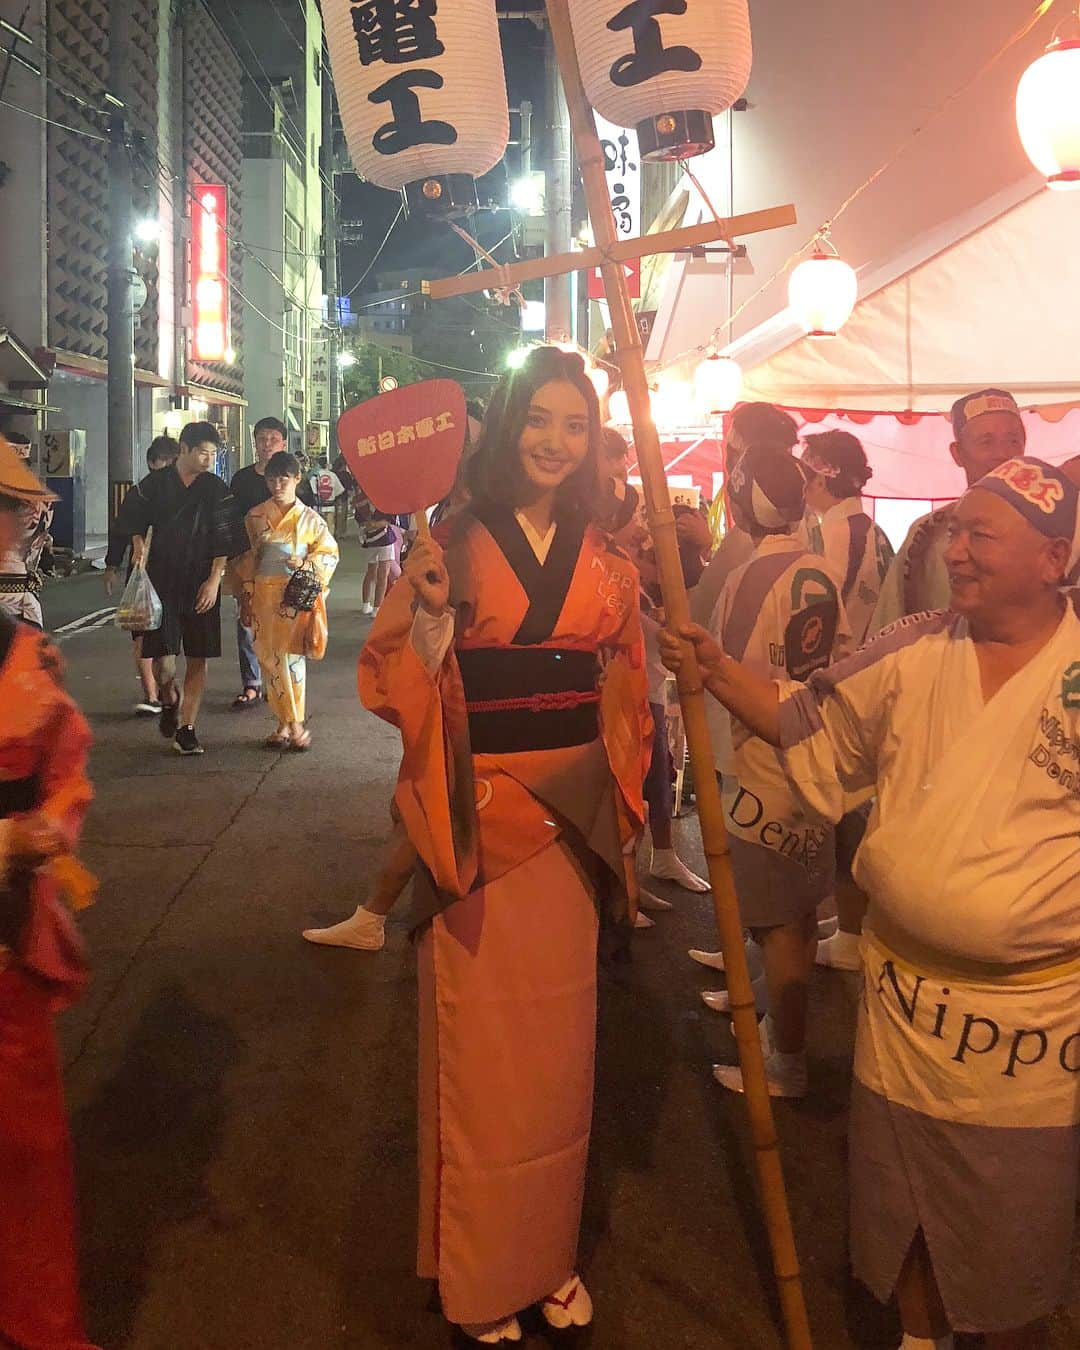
[999, 307]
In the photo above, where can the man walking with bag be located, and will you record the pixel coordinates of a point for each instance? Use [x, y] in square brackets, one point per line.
[197, 529]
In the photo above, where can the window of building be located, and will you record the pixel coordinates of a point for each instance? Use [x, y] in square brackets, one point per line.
[294, 337]
[294, 244]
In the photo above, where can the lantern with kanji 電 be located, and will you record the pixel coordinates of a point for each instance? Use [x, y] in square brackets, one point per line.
[422, 94]
[666, 67]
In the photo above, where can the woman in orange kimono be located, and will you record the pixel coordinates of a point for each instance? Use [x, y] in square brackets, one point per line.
[513, 666]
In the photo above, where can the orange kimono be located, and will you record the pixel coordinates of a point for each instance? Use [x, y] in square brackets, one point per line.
[526, 740]
[43, 746]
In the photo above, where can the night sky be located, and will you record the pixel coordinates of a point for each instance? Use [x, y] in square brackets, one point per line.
[414, 242]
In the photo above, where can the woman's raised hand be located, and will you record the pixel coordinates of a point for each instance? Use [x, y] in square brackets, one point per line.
[425, 570]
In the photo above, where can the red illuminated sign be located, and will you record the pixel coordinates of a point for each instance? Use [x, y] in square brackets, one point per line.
[209, 272]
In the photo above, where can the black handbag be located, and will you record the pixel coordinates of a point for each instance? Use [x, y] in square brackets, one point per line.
[302, 590]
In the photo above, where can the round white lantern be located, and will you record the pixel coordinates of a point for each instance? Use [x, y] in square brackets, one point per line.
[619, 408]
[665, 69]
[422, 94]
[1048, 114]
[718, 383]
[601, 380]
[822, 291]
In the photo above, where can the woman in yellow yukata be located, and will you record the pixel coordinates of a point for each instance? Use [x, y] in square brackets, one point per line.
[512, 664]
[285, 536]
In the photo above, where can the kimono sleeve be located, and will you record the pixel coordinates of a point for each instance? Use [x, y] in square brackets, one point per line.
[228, 536]
[434, 794]
[323, 552]
[136, 514]
[626, 722]
[66, 790]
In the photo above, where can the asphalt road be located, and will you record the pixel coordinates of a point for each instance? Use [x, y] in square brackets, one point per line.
[243, 1103]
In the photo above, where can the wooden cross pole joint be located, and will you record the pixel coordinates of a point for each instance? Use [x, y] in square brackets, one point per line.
[623, 251]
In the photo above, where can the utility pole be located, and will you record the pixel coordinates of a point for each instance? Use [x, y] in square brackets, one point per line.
[558, 309]
[121, 271]
[330, 237]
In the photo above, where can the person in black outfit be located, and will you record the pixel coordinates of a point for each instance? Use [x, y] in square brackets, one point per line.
[249, 488]
[197, 529]
[162, 452]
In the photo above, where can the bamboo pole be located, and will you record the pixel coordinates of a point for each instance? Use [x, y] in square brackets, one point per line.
[691, 694]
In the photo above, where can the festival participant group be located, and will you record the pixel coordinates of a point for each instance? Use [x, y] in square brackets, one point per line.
[896, 741]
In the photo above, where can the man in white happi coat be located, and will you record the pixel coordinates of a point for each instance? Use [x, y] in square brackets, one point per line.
[966, 725]
[988, 430]
[858, 553]
[780, 614]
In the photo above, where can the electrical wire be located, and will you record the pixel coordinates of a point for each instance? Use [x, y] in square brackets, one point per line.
[49, 121]
[375, 257]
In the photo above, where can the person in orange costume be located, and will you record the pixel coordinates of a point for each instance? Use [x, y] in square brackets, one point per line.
[513, 666]
[44, 793]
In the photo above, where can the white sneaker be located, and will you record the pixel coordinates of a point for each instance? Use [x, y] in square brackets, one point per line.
[646, 900]
[569, 1306]
[367, 608]
[785, 1075]
[643, 921]
[508, 1330]
[364, 932]
[840, 952]
[667, 866]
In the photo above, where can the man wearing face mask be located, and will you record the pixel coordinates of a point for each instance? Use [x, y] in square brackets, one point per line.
[988, 430]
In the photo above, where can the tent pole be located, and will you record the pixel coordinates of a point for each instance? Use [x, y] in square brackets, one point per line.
[691, 693]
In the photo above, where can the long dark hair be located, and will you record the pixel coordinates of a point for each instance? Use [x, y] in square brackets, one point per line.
[494, 474]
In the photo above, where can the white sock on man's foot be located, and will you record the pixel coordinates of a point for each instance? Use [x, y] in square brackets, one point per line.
[364, 932]
[911, 1342]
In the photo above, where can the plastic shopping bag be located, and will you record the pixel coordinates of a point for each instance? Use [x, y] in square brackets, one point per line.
[139, 610]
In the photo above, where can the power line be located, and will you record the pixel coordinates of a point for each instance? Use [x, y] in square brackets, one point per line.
[49, 121]
[375, 258]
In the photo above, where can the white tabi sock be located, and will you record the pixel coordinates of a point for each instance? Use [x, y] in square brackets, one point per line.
[911, 1342]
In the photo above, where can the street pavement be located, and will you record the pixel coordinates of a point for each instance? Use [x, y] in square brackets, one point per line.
[243, 1104]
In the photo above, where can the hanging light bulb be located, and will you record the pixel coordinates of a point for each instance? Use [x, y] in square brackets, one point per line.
[1048, 109]
[822, 290]
[718, 383]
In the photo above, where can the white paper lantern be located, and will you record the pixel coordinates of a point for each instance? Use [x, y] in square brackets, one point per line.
[718, 383]
[822, 291]
[421, 88]
[1048, 114]
[619, 408]
[665, 67]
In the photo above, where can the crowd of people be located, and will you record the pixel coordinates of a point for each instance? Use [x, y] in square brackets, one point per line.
[896, 739]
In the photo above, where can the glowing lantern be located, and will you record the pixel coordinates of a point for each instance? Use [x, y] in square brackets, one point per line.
[663, 67]
[601, 380]
[822, 291]
[671, 402]
[619, 408]
[1048, 113]
[717, 384]
[422, 94]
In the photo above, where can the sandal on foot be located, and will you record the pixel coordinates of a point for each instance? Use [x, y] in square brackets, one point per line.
[248, 699]
[301, 742]
[278, 741]
[488, 1333]
[568, 1306]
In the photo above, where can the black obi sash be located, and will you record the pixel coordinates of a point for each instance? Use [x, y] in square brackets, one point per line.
[529, 698]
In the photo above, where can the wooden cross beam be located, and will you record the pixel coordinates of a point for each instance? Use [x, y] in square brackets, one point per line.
[625, 250]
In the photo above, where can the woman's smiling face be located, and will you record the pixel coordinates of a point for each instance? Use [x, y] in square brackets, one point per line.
[555, 439]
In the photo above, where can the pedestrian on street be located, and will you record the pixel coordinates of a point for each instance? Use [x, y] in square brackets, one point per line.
[489, 658]
[965, 1115]
[249, 488]
[288, 542]
[197, 529]
[20, 557]
[380, 541]
[44, 794]
[162, 452]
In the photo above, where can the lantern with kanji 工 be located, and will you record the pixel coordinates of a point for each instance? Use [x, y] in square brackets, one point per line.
[666, 67]
[422, 94]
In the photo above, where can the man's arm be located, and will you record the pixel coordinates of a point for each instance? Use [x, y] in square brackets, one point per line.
[753, 699]
[208, 592]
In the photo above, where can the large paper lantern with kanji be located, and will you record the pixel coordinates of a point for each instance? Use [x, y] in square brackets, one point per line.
[665, 67]
[422, 93]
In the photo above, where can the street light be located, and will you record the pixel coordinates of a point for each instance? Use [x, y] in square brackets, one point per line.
[346, 359]
[148, 230]
[516, 359]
